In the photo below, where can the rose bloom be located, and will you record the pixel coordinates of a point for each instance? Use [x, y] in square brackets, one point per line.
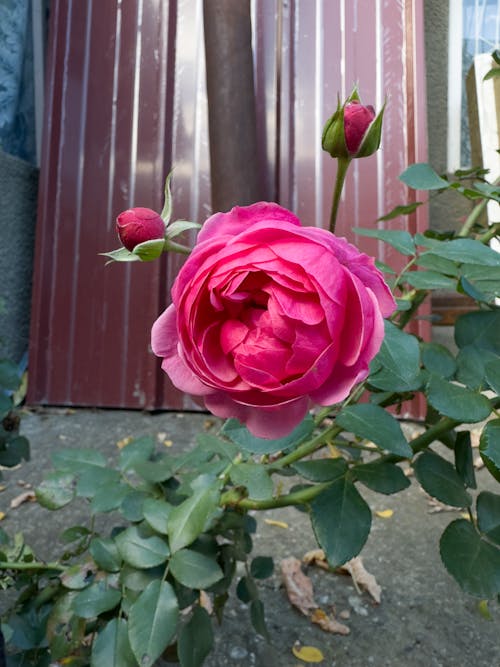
[357, 119]
[137, 225]
[268, 317]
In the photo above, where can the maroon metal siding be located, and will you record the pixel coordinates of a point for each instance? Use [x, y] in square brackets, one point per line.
[127, 99]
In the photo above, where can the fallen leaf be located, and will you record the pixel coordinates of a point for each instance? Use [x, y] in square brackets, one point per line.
[475, 437]
[308, 654]
[300, 592]
[436, 506]
[316, 557]
[482, 607]
[2, 488]
[124, 442]
[478, 463]
[278, 524]
[345, 614]
[362, 578]
[161, 436]
[298, 586]
[208, 423]
[26, 497]
[384, 514]
[206, 602]
[328, 623]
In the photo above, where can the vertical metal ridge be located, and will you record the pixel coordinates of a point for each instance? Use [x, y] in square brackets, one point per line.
[78, 206]
[114, 102]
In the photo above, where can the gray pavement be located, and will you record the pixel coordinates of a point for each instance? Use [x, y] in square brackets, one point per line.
[424, 620]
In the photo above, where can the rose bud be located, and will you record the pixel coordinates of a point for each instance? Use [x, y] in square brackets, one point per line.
[138, 225]
[353, 131]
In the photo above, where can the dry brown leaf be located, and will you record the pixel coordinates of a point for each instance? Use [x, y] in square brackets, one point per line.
[475, 436]
[362, 578]
[436, 506]
[298, 586]
[124, 442]
[26, 497]
[328, 623]
[206, 602]
[316, 557]
[278, 524]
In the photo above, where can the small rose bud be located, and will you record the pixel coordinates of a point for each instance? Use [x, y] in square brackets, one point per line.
[137, 225]
[357, 120]
[353, 131]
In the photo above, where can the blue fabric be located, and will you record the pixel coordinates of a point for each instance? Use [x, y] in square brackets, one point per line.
[17, 110]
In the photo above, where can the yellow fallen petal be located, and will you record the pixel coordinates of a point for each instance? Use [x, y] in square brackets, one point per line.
[279, 524]
[2, 488]
[308, 654]
[124, 442]
[483, 609]
[168, 443]
[465, 515]
[2, 515]
[384, 514]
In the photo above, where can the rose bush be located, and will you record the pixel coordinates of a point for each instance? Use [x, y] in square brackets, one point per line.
[268, 316]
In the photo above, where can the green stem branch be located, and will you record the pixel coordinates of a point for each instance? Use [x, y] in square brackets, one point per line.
[307, 448]
[27, 566]
[342, 166]
[232, 498]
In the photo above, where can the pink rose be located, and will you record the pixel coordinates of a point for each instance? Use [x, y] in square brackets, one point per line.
[137, 225]
[357, 120]
[269, 316]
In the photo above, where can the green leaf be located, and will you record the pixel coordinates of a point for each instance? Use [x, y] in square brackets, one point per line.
[439, 264]
[258, 618]
[246, 590]
[248, 442]
[375, 424]
[194, 570]
[221, 446]
[397, 365]
[440, 479]
[93, 479]
[464, 464]
[438, 359]
[56, 490]
[457, 402]
[479, 329]
[429, 280]
[6, 405]
[254, 477]
[77, 460]
[131, 505]
[341, 521]
[149, 250]
[471, 363]
[180, 226]
[488, 515]
[121, 255]
[105, 553]
[471, 561]
[154, 471]
[492, 373]
[466, 251]
[191, 517]
[321, 470]
[156, 513]
[65, 632]
[421, 176]
[96, 599]
[140, 550]
[111, 647]
[486, 279]
[196, 639]
[137, 450]
[152, 622]
[73, 534]
[405, 209]
[381, 477]
[489, 447]
[14, 451]
[262, 567]
[401, 240]
[109, 498]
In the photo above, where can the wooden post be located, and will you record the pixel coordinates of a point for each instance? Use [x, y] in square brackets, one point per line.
[231, 103]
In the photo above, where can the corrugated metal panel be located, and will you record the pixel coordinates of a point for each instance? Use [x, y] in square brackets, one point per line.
[127, 99]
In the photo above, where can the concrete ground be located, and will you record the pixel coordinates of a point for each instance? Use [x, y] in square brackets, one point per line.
[424, 620]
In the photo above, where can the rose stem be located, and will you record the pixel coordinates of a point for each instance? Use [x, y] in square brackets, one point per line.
[342, 166]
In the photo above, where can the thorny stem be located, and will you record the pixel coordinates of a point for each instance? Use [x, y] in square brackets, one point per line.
[234, 498]
[307, 448]
[35, 565]
[342, 166]
[472, 218]
[493, 231]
